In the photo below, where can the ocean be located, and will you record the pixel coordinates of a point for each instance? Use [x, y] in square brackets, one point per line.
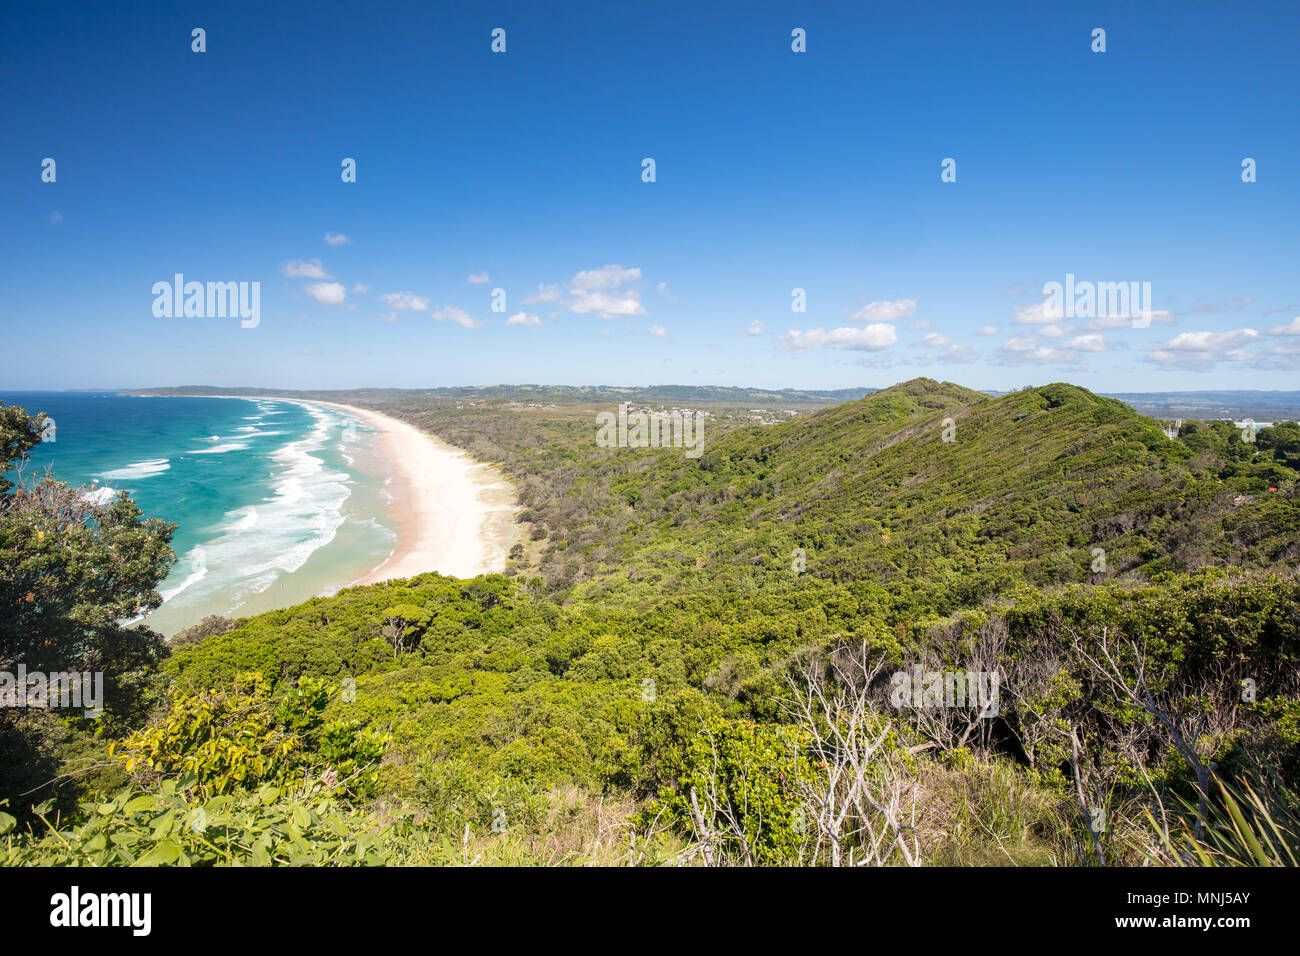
[275, 502]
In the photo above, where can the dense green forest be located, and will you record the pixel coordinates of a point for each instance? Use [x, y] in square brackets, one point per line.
[696, 661]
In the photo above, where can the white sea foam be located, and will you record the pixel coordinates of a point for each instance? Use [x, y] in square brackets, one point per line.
[198, 574]
[219, 449]
[255, 545]
[99, 496]
[137, 469]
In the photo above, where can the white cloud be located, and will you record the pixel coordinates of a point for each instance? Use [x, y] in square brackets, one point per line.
[1050, 312]
[755, 328]
[1291, 328]
[405, 301]
[605, 305]
[524, 319]
[1105, 322]
[1052, 332]
[1209, 341]
[988, 330]
[919, 324]
[1019, 344]
[606, 277]
[389, 317]
[597, 292]
[888, 311]
[1021, 351]
[360, 289]
[329, 293]
[545, 293]
[1027, 351]
[306, 269]
[941, 349]
[1194, 361]
[1087, 343]
[336, 239]
[658, 331]
[449, 313]
[478, 278]
[1040, 313]
[1202, 351]
[871, 338]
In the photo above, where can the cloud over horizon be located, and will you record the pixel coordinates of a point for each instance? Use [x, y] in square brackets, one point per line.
[871, 338]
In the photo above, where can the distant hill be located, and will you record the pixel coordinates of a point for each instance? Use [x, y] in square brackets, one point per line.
[562, 394]
[1233, 405]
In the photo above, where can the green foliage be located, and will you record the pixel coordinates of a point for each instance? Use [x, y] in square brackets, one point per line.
[71, 570]
[746, 769]
[74, 572]
[19, 434]
[453, 794]
[265, 827]
[210, 625]
[238, 737]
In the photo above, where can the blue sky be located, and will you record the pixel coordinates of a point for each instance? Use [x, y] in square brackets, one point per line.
[775, 170]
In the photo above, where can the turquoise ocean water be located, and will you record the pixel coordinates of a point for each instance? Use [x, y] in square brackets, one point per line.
[274, 502]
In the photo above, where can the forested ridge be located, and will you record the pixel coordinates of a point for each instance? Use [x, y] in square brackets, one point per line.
[690, 660]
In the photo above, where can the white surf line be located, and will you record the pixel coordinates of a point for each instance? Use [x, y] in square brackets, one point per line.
[443, 500]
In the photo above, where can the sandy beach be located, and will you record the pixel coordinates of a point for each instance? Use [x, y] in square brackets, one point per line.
[454, 515]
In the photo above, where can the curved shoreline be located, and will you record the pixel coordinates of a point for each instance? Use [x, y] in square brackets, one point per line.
[454, 515]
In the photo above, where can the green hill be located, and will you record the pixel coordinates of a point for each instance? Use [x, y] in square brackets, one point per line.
[1028, 486]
